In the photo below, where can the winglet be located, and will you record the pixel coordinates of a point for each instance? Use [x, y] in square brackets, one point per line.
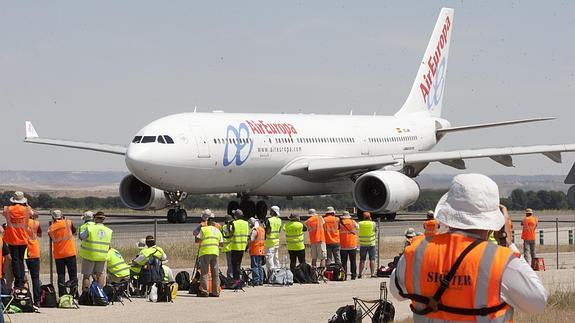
[30, 131]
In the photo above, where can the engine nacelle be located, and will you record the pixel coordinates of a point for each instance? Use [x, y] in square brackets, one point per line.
[384, 191]
[140, 196]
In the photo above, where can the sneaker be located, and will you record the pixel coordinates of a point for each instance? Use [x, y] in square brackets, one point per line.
[359, 276]
[203, 294]
[353, 277]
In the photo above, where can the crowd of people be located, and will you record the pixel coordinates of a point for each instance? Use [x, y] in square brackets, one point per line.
[466, 243]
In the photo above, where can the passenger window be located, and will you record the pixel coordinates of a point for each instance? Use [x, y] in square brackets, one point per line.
[161, 140]
[147, 139]
[137, 139]
[169, 139]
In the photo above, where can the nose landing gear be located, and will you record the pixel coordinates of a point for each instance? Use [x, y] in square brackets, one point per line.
[177, 214]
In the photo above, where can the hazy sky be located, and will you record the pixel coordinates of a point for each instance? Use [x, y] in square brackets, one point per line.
[101, 70]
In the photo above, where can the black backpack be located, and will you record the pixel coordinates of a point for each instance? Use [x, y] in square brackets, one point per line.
[112, 294]
[183, 280]
[303, 274]
[152, 271]
[48, 296]
[384, 313]
[164, 292]
[22, 299]
[346, 314]
[337, 270]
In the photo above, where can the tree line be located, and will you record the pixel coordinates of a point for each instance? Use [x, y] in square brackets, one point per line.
[517, 200]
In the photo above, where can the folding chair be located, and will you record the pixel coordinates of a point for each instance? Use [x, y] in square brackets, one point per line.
[320, 274]
[379, 310]
[5, 307]
[120, 291]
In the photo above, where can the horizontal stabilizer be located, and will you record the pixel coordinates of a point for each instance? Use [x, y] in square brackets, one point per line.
[493, 124]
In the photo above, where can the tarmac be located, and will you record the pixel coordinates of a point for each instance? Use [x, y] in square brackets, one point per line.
[297, 303]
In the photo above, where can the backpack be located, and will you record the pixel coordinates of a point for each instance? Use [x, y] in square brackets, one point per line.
[334, 272]
[303, 274]
[385, 312]
[48, 296]
[67, 301]
[346, 314]
[183, 280]
[97, 295]
[152, 271]
[111, 293]
[281, 276]
[384, 271]
[22, 299]
[164, 292]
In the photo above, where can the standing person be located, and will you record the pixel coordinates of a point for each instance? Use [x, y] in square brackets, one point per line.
[211, 240]
[16, 233]
[294, 238]
[316, 238]
[409, 236]
[227, 234]
[332, 242]
[4, 252]
[529, 224]
[238, 243]
[431, 225]
[206, 214]
[33, 255]
[489, 282]
[88, 218]
[257, 251]
[94, 248]
[367, 232]
[348, 239]
[273, 226]
[61, 232]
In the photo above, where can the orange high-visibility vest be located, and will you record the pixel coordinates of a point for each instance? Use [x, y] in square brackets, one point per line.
[16, 232]
[431, 227]
[63, 244]
[331, 227]
[315, 229]
[529, 226]
[33, 244]
[258, 246]
[476, 283]
[1, 258]
[348, 234]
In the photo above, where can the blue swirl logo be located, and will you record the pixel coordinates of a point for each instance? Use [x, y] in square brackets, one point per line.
[437, 86]
[238, 148]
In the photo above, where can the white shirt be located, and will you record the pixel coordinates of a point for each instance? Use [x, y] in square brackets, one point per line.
[521, 288]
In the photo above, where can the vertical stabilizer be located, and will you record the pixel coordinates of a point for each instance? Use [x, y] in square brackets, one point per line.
[428, 88]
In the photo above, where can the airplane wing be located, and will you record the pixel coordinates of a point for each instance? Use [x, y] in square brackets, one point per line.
[321, 169]
[32, 137]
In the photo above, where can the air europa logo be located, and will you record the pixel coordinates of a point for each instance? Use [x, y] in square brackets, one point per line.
[261, 127]
[433, 80]
[238, 145]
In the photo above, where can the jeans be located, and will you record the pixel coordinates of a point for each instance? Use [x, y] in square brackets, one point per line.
[237, 256]
[296, 255]
[333, 254]
[17, 253]
[209, 265]
[529, 244]
[351, 254]
[61, 266]
[257, 270]
[34, 269]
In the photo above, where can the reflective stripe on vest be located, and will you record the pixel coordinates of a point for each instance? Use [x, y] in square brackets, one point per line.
[16, 232]
[257, 247]
[431, 227]
[226, 247]
[366, 233]
[331, 226]
[239, 239]
[273, 236]
[95, 246]
[116, 265]
[476, 284]
[294, 235]
[210, 244]
[62, 239]
[348, 234]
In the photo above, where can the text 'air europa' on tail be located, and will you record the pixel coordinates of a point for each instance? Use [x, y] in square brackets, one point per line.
[428, 88]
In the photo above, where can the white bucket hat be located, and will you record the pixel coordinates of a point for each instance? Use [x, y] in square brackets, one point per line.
[472, 202]
[18, 198]
[330, 209]
[276, 210]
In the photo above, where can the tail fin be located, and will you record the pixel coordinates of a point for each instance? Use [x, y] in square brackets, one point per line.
[428, 88]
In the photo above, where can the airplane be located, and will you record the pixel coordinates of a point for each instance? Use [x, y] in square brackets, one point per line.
[260, 155]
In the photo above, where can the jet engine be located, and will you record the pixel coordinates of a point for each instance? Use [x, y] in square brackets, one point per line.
[384, 191]
[140, 196]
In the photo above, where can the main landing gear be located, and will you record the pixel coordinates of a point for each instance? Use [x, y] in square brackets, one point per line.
[249, 208]
[177, 214]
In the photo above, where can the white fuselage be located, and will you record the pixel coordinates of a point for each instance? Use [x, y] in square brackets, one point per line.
[246, 153]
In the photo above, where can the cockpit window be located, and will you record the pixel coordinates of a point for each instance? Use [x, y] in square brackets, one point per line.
[169, 139]
[147, 139]
[161, 140]
[137, 139]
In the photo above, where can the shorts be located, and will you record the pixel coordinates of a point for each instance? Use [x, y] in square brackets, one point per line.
[318, 251]
[364, 251]
[90, 267]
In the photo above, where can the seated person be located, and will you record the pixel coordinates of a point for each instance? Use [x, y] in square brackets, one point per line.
[116, 267]
[144, 259]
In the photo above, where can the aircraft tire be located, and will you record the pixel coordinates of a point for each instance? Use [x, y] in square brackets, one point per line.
[261, 210]
[233, 205]
[248, 207]
[172, 216]
[182, 216]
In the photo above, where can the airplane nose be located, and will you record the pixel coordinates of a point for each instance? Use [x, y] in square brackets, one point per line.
[137, 158]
